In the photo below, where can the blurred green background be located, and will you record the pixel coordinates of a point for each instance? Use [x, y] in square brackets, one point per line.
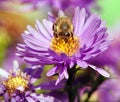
[110, 11]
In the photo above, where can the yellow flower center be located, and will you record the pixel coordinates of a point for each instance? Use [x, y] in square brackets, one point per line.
[13, 82]
[69, 47]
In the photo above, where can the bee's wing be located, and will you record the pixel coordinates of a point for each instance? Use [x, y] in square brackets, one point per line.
[69, 12]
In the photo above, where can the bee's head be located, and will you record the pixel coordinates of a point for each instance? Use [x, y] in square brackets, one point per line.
[63, 27]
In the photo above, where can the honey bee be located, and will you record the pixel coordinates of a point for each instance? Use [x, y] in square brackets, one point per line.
[63, 28]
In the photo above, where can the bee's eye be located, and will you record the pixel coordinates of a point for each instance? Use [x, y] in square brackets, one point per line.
[67, 34]
[61, 34]
[54, 27]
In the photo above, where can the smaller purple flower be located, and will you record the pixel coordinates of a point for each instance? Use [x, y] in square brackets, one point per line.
[2, 89]
[18, 86]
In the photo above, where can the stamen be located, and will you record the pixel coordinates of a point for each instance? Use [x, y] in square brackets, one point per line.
[61, 46]
[16, 80]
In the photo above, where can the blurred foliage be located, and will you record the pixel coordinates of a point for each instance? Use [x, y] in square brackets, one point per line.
[13, 23]
[4, 42]
[11, 27]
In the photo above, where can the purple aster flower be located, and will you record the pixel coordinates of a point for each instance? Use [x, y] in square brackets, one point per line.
[63, 4]
[18, 86]
[2, 89]
[65, 43]
[56, 5]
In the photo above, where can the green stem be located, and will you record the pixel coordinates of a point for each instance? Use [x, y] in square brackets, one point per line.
[96, 84]
[69, 84]
[78, 96]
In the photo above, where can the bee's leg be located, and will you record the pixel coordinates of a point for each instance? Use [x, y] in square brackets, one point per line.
[55, 35]
[66, 40]
[72, 35]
